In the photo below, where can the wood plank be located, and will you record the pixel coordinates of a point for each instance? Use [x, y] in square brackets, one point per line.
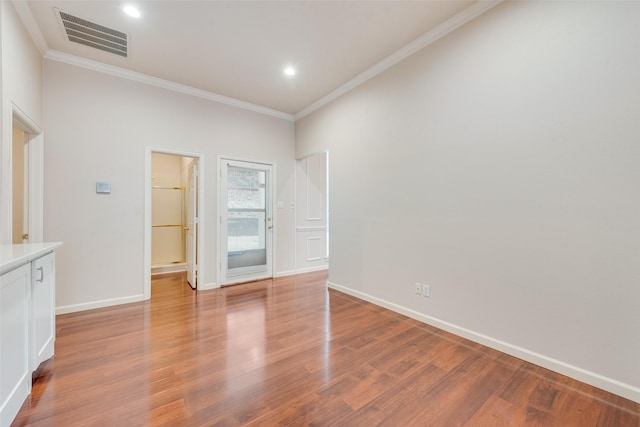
[291, 352]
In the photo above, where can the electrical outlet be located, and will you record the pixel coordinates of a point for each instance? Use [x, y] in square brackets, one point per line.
[426, 291]
[418, 288]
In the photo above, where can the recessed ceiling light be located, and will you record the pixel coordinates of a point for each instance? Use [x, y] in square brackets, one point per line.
[132, 11]
[290, 71]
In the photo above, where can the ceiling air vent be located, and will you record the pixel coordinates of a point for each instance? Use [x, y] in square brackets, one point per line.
[94, 35]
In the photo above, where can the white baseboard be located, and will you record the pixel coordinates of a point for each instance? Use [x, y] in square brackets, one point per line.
[301, 271]
[175, 268]
[117, 301]
[207, 286]
[98, 304]
[617, 387]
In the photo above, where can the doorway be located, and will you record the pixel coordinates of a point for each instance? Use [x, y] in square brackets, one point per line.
[20, 186]
[174, 215]
[245, 207]
[27, 181]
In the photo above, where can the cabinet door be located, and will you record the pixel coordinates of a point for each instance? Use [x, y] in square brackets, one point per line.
[15, 372]
[43, 293]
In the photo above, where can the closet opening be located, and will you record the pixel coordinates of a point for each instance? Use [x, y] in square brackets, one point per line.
[173, 229]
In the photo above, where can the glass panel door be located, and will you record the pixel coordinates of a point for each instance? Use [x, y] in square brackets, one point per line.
[247, 222]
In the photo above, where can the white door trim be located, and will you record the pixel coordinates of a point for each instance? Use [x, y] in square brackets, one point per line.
[221, 205]
[191, 237]
[147, 213]
[35, 147]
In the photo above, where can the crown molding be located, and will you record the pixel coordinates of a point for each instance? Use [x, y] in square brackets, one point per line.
[66, 58]
[423, 41]
[24, 12]
[456, 21]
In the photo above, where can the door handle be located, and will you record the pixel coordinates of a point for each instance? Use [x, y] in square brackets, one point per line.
[40, 269]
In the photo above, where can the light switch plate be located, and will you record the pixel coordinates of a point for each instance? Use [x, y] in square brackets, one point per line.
[103, 188]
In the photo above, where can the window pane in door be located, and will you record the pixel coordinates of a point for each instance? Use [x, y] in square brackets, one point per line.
[246, 226]
[246, 188]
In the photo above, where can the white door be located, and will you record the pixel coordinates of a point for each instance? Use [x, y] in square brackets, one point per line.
[246, 221]
[34, 206]
[191, 213]
[312, 212]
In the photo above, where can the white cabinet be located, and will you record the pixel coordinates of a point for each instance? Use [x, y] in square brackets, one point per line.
[27, 319]
[15, 319]
[43, 317]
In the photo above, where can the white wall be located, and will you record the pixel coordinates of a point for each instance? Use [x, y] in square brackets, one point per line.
[97, 128]
[500, 166]
[166, 170]
[21, 86]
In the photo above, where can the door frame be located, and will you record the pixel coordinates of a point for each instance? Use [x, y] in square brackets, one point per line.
[148, 182]
[34, 145]
[221, 205]
[191, 206]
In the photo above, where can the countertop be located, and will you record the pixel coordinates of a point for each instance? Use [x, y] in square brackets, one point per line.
[12, 256]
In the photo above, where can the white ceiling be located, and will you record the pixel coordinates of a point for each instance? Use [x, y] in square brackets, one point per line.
[239, 49]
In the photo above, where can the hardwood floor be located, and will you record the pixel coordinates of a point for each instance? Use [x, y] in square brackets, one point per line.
[290, 352]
